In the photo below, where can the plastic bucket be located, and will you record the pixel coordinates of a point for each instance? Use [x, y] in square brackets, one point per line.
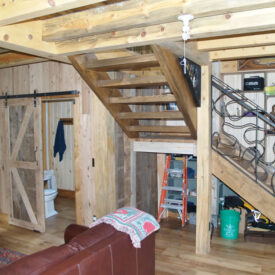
[230, 224]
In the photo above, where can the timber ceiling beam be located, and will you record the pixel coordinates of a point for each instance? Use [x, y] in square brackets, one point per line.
[242, 53]
[253, 40]
[213, 18]
[204, 27]
[17, 11]
[26, 38]
[140, 13]
[10, 59]
[201, 58]
[177, 82]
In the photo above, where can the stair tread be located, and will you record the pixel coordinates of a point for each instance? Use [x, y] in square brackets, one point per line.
[127, 62]
[160, 129]
[151, 115]
[137, 82]
[167, 98]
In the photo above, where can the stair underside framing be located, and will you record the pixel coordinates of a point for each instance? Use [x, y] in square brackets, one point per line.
[243, 185]
[94, 70]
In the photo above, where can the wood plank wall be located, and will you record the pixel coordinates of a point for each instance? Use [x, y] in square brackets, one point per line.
[50, 77]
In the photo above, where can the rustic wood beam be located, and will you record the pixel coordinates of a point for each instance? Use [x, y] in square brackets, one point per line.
[204, 27]
[118, 16]
[252, 40]
[179, 87]
[219, 20]
[26, 38]
[3, 50]
[127, 62]
[233, 23]
[242, 53]
[191, 51]
[139, 13]
[204, 176]
[121, 39]
[17, 11]
[11, 59]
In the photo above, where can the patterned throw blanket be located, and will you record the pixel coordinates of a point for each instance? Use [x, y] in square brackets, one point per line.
[137, 224]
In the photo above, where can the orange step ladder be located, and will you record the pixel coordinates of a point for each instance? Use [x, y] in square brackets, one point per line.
[167, 204]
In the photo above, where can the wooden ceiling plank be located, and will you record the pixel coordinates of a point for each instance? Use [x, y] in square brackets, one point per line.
[17, 11]
[143, 99]
[242, 53]
[142, 13]
[160, 129]
[128, 62]
[91, 78]
[179, 87]
[252, 40]
[137, 82]
[152, 115]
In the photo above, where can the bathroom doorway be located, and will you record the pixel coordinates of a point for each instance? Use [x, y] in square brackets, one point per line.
[58, 162]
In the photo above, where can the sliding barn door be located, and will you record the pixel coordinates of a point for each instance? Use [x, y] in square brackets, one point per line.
[24, 157]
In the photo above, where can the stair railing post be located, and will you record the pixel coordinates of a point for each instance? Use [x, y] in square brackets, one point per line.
[256, 160]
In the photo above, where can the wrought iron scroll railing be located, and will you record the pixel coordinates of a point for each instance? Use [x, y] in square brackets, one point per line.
[240, 133]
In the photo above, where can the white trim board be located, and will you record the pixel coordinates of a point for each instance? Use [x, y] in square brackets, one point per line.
[186, 148]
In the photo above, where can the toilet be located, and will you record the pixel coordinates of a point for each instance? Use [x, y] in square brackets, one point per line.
[50, 193]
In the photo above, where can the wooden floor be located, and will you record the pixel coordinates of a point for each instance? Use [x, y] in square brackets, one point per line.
[27, 241]
[175, 247]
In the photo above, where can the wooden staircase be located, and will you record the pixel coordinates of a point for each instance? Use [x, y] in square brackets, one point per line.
[239, 174]
[121, 80]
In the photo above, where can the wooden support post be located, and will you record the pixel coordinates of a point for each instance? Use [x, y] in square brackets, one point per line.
[78, 165]
[204, 179]
[133, 177]
[161, 167]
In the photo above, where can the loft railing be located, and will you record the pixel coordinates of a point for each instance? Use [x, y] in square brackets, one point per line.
[240, 131]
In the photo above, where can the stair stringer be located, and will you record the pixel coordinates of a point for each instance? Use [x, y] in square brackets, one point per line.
[243, 185]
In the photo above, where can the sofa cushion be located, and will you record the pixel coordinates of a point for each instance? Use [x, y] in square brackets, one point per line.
[37, 263]
[92, 236]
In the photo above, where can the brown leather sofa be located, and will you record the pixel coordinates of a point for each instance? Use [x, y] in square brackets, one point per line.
[100, 250]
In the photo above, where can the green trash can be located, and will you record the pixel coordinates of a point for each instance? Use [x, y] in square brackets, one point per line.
[230, 224]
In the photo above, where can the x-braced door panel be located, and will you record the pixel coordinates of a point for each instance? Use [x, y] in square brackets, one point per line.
[24, 172]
